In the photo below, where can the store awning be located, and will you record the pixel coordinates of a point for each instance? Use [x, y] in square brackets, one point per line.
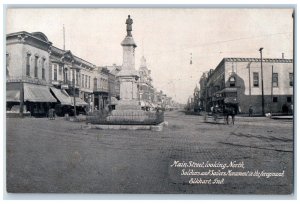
[37, 93]
[62, 96]
[13, 95]
[79, 101]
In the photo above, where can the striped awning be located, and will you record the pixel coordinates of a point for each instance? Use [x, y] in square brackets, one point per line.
[79, 101]
[62, 96]
[13, 95]
[37, 93]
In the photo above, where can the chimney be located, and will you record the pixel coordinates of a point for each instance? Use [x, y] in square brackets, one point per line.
[282, 55]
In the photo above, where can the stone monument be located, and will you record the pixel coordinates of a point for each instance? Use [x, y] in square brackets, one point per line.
[128, 110]
[128, 76]
[128, 113]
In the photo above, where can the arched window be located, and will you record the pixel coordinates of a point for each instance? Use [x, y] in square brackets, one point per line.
[232, 81]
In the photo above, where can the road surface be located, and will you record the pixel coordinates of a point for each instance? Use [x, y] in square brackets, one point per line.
[60, 156]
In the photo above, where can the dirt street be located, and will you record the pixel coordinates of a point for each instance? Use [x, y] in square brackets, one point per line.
[60, 156]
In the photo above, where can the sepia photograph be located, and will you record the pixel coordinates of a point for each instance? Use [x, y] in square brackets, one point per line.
[187, 100]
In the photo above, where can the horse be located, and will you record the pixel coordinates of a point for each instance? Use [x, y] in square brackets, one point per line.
[229, 111]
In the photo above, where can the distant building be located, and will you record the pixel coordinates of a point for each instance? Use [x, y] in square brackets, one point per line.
[202, 92]
[238, 80]
[71, 77]
[145, 87]
[101, 87]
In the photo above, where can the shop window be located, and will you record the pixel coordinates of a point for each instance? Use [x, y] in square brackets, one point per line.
[275, 79]
[275, 99]
[291, 77]
[255, 79]
[232, 81]
[289, 99]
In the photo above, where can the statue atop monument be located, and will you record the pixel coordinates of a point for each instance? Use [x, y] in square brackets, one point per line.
[129, 23]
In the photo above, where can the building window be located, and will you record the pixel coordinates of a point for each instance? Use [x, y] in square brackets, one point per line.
[36, 66]
[255, 79]
[28, 64]
[275, 99]
[82, 80]
[77, 77]
[289, 99]
[95, 83]
[55, 72]
[7, 64]
[43, 68]
[89, 82]
[60, 70]
[232, 81]
[275, 79]
[291, 79]
[66, 76]
[85, 85]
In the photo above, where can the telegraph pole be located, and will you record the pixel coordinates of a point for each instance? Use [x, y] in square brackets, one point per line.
[262, 83]
[74, 97]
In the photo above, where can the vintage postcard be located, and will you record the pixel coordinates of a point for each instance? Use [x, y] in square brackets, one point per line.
[150, 100]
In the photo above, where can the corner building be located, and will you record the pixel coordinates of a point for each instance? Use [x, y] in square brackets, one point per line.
[239, 79]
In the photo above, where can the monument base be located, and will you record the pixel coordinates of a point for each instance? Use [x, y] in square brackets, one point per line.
[128, 105]
[156, 128]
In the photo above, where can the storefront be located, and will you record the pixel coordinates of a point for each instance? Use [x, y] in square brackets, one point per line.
[36, 99]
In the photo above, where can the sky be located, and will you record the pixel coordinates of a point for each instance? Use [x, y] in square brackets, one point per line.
[168, 38]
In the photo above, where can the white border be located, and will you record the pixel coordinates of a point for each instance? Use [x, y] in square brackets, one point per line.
[158, 3]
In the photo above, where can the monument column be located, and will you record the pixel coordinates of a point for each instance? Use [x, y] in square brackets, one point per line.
[128, 76]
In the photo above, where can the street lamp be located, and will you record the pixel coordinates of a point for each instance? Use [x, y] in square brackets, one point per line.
[262, 83]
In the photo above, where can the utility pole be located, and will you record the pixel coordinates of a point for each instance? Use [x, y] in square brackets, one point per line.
[22, 99]
[262, 83]
[74, 97]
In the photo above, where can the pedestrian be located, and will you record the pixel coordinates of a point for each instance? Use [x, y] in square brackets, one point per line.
[250, 111]
[51, 114]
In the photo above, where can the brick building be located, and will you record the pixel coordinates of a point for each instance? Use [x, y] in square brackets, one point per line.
[239, 80]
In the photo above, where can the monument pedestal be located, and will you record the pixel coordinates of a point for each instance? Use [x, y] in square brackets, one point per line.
[128, 111]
